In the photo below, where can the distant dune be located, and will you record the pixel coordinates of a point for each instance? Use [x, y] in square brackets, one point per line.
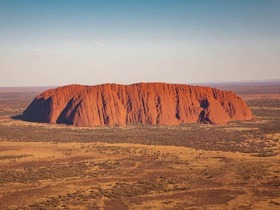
[149, 103]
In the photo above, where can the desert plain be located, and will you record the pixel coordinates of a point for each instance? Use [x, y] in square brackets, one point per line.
[188, 166]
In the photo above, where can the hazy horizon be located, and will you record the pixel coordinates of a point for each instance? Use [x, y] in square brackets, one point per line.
[53, 43]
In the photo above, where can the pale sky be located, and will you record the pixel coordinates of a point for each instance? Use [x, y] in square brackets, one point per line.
[59, 42]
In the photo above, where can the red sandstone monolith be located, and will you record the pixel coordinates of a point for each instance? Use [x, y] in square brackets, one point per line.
[149, 103]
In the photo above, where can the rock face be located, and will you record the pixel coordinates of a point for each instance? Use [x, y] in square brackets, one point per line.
[150, 103]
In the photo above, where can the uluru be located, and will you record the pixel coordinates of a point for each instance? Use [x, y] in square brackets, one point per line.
[147, 103]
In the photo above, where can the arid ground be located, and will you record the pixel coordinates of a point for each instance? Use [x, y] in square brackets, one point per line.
[192, 166]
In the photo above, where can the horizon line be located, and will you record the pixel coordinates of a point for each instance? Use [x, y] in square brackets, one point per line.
[191, 83]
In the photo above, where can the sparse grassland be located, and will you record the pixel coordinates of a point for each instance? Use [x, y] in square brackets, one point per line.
[236, 166]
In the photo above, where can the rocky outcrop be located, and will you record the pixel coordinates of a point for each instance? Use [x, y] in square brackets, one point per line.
[149, 103]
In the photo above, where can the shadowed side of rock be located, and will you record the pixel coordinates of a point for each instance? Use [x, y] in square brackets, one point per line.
[149, 103]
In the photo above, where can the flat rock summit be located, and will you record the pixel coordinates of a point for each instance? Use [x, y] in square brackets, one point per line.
[149, 103]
